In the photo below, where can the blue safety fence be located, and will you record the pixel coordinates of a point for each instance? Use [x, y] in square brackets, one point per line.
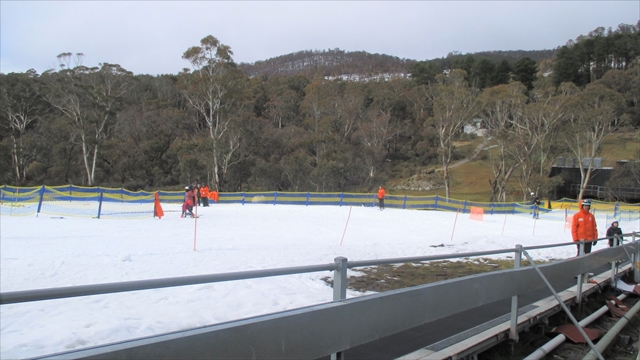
[70, 200]
[100, 202]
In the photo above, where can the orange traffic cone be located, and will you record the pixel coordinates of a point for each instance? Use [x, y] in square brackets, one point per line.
[157, 208]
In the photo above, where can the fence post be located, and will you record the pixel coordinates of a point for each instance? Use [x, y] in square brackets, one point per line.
[340, 279]
[465, 207]
[243, 198]
[636, 270]
[404, 205]
[100, 204]
[580, 276]
[513, 330]
[275, 197]
[436, 204]
[40, 202]
[339, 289]
[307, 204]
[341, 197]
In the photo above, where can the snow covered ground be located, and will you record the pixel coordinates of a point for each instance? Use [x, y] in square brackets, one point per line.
[49, 251]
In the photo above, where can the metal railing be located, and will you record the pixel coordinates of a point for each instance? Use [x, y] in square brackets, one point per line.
[603, 192]
[343, 323]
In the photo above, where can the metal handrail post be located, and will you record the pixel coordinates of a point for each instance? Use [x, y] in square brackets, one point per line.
[513, 330]
[339, 289]
[614, 271]
[340, 279]
[580, 276]
[614, 263]
[564, 307]
[636, 268]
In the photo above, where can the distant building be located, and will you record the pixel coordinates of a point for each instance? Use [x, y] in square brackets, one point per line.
[475, 128]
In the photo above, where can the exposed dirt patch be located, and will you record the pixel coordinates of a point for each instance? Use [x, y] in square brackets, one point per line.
[391, 277]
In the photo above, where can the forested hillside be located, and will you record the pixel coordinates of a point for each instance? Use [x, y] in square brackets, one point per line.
[328, 63]
[336, 62]
[289, 124]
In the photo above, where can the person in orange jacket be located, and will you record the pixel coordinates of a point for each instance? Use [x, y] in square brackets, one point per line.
[213, 196]
[583, 226]
[204, 194]
[381, 194]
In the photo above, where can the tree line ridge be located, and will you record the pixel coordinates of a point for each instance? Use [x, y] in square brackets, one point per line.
[292, 123]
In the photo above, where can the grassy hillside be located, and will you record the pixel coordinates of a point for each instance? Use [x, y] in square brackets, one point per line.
[621, 146]
[471, 180]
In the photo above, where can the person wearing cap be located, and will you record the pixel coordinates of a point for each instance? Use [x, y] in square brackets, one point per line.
[583, 226]
[614, 233]
[381, 194]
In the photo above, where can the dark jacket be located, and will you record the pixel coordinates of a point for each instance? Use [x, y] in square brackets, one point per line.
[613, 231]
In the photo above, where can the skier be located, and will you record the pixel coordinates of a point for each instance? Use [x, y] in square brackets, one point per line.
[189, 202]
[535, 201]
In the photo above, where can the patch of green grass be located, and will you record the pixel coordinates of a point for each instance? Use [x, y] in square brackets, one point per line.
[470, 181]
[625, 146]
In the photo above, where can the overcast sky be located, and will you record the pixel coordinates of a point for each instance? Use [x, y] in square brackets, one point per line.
[149, 37]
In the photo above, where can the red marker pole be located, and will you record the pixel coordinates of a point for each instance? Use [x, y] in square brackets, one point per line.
[195, 228]
[454, 223]
[345, 226]
[503, 224]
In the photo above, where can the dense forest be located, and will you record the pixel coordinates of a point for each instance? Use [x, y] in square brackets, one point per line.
[292, 123]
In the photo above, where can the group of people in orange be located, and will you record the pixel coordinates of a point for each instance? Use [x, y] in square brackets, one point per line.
[196, 195]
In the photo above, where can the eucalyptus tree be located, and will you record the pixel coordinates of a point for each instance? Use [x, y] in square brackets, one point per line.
[423, 144]
[215, 91]
[454, 104]
[314, 104]
[382, 125]
[143, 151]
[627, 83]
[297, 167]
[593, 114]
[344, 111]
[373, 135]
[503, 110]
[284, 95]
[315, 108]
[89, 98]
[21, 107]
[544, 115]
